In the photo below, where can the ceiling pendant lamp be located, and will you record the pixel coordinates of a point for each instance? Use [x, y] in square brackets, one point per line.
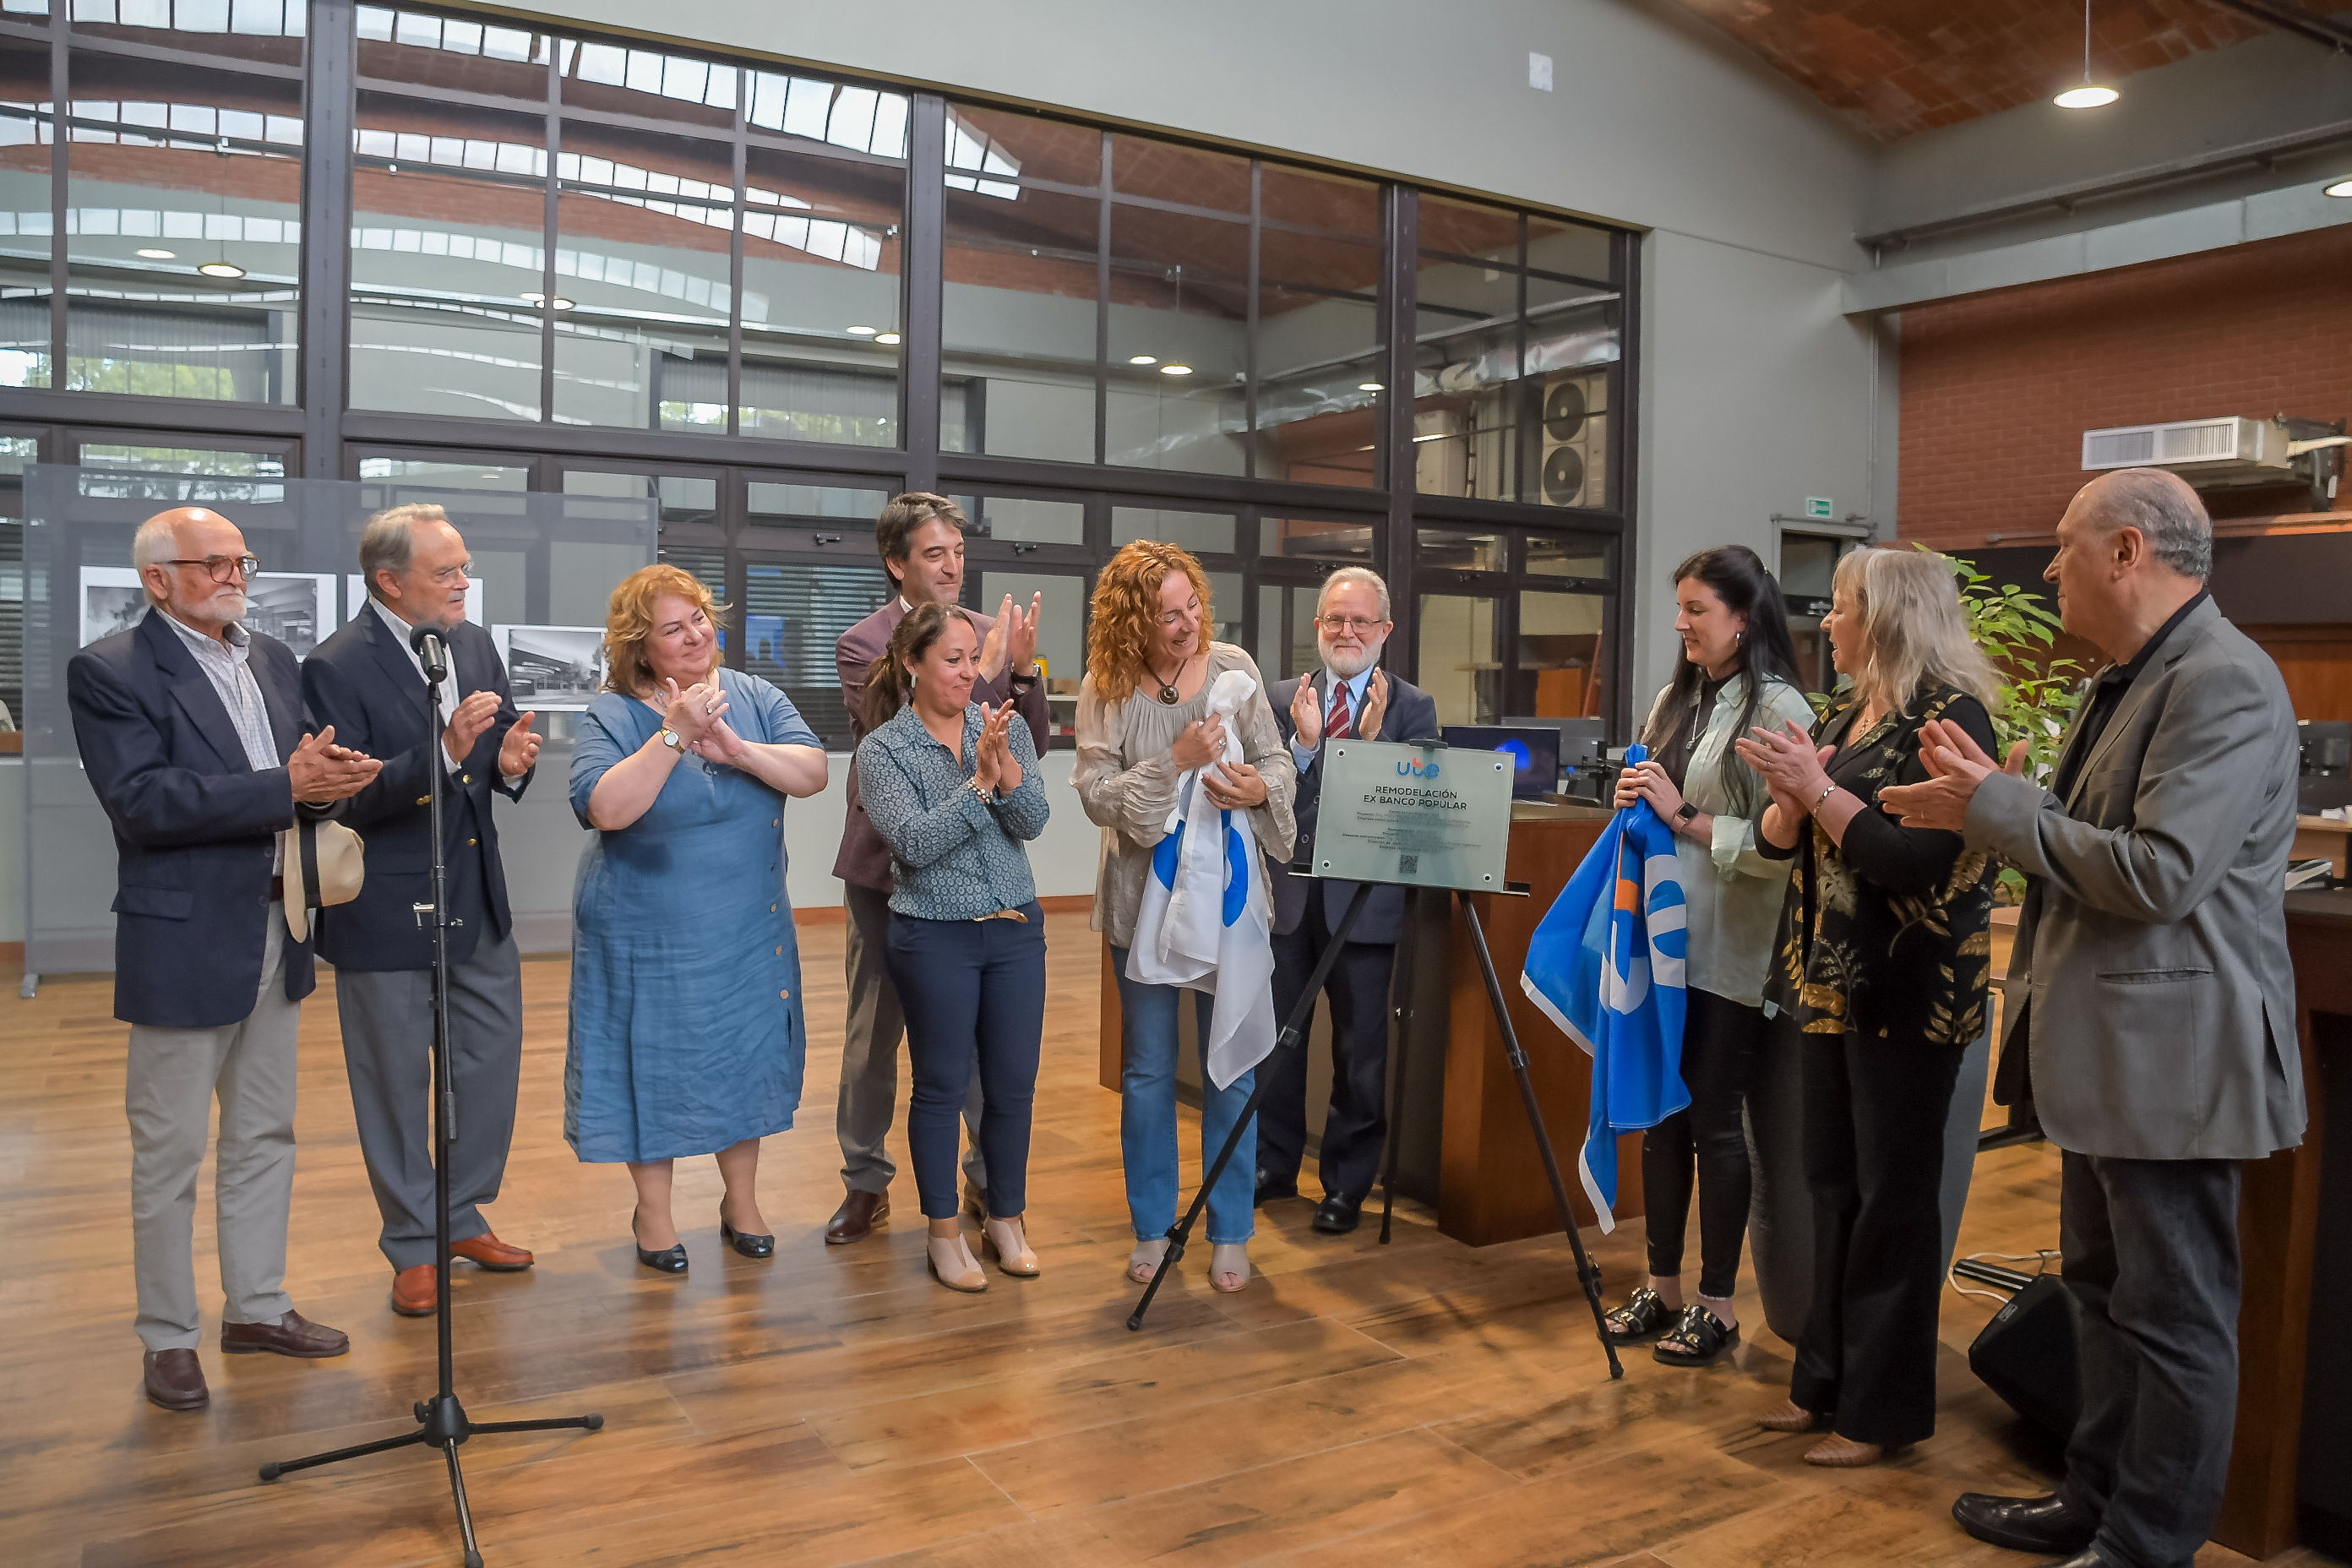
[2089, 95]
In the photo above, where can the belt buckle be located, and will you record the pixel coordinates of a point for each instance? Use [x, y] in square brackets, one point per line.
[1002, 915]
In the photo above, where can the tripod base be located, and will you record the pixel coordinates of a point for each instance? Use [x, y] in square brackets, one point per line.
[441, 1423]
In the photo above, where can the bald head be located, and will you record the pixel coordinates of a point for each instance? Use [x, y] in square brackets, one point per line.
[169, 550]
[2163, 507]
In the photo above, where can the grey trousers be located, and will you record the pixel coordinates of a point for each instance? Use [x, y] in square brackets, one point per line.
[387, 1018]
[2152, 1251]
[172, 1078]
[869, 1056]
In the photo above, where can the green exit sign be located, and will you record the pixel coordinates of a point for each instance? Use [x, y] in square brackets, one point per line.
[1820, 508]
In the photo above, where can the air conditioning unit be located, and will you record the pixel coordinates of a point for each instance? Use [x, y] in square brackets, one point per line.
[1574, 469]
[2226, 451]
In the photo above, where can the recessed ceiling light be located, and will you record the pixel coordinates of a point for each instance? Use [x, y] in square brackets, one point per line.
[863, 331]
[560, 303]
[2087, 96]
[2340, 189]
[1143, 359]
[152, 255]
[1369, 386]
[886, 337]
[221, 270]
[1175, 370]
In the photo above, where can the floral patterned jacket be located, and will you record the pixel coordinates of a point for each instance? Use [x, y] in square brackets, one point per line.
[1888, 936]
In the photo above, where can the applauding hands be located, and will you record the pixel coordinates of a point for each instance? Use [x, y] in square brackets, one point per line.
[995, 769]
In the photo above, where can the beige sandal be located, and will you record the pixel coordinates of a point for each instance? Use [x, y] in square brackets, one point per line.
[1837, 1453]
[1790, 1417]
[1144, 1261]
[953, 1264]
[1229, 1260]
[1010, 1242]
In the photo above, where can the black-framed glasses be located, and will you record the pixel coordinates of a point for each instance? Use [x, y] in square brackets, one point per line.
[218, 567]
[1356, 624]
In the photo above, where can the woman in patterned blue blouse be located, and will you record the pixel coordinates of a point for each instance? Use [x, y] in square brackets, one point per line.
[954, 787]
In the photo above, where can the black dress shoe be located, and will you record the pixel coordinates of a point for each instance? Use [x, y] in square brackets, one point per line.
[668, 1260]
[749, 1245]
[1271, 1187]
[175, 1381]
[1337, 1213]
[2040, 1524]
[2089, 1557]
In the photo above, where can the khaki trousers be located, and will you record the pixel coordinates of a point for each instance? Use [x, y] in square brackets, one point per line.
[173, 1077]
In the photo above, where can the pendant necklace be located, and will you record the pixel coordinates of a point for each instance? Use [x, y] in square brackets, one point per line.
[1168, 689]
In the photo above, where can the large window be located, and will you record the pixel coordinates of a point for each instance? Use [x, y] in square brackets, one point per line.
[493, 257]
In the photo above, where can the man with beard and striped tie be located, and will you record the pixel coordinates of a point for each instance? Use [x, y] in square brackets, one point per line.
[1349, 697]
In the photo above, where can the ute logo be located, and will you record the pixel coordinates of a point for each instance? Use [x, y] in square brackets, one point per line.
[1413, 767]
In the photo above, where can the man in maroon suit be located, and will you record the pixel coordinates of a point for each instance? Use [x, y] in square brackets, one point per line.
[920, 537]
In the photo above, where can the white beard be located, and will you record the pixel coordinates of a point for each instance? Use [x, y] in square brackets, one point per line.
[1345, 665]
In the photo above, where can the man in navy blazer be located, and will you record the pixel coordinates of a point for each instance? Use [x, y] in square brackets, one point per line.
[368, 681]
[194, 735]
[1350, 696]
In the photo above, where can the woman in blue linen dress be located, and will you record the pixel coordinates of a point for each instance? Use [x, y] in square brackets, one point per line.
[687, 1036]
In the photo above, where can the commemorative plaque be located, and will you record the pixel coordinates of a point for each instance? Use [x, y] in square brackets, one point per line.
[1424, 817]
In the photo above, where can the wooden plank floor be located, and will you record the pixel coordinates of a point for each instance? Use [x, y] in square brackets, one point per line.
[1425, 1402]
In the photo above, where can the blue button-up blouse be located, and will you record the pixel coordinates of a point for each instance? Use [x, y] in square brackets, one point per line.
[951, 857]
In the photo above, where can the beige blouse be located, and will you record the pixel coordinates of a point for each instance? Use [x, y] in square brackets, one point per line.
[1127, 782]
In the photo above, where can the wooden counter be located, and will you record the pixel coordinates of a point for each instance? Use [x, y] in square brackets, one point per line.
[2278, 1224]
[2322, 838]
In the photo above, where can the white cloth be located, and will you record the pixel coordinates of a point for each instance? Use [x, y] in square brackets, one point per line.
[1206, 923]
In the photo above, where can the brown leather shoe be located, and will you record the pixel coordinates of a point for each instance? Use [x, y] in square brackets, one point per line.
[293, 1335]
[492, 1253]
[855, 1218]
[415, 1292]
[175, 1380]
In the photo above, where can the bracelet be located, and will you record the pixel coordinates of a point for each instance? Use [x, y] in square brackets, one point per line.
[979, 789]
[1819, 798]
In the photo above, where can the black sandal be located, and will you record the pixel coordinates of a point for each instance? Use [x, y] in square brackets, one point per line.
[1643, 1317]
[1696, 1340]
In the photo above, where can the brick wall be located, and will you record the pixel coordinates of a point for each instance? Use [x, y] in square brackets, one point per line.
[1998, 388]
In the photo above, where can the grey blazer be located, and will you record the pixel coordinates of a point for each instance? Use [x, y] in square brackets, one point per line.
[2151, 964]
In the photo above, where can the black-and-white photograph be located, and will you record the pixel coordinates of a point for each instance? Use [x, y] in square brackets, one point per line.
[298, 608]
[111, 601]
[553, 668]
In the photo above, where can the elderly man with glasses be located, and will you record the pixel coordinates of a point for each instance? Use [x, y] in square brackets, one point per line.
[1348, 696]
[367, 681]
[194, 735]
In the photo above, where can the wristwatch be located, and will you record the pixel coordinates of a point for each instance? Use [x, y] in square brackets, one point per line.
[1686, 816]
[669, 737]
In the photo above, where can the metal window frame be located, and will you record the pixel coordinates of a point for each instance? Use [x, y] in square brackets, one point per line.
[323, 437]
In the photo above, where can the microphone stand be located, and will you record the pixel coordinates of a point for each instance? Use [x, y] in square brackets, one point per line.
[441, 1421]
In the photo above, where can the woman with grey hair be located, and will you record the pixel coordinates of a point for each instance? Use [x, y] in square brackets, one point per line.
[1885, 957]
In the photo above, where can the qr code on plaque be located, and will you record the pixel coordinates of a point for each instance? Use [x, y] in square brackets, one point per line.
[1408, 865]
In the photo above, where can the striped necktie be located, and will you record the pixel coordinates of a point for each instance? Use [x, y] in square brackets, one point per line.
[1339, 728]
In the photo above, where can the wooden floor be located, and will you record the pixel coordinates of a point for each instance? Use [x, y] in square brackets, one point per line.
[1424, 1403]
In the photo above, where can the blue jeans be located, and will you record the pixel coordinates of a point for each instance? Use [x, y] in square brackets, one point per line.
[1147, 1117]
[964, 984]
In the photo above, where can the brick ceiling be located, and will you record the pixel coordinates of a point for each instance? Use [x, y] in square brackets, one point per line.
[1895, 66]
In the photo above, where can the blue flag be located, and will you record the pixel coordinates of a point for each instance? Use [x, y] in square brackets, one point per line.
[1606, 965]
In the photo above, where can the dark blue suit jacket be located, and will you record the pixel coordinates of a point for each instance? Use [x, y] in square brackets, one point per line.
[362, 681]
[1411, 716]
[195, 825]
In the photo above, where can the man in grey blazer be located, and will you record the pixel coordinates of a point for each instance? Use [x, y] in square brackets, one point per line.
[2152, 1007]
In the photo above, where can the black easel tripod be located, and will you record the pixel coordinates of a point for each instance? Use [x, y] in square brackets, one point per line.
[1293, 1039]
[442, 1422]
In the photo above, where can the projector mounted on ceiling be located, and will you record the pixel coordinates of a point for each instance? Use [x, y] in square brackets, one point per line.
[2228, 452]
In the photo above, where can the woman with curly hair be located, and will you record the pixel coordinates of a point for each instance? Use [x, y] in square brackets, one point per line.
[1885, 955]
[1143, 725]
[687, 1036]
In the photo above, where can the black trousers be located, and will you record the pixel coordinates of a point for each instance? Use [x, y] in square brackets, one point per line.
[1353, 1129]
[2152, 1251]
[1719, 1041]
[1874, 1113]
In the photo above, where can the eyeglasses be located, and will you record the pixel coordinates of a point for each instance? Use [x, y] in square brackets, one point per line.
[449, 574]
[1356, 624]
[218, 567]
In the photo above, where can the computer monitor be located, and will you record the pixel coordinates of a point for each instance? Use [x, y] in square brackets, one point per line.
[1533, 753]
[1583, 742]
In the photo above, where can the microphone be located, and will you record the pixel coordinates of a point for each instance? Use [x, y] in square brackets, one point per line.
[430, 639]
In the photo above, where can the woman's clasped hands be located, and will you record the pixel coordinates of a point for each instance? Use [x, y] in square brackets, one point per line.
[996, 768]
[697, 716]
